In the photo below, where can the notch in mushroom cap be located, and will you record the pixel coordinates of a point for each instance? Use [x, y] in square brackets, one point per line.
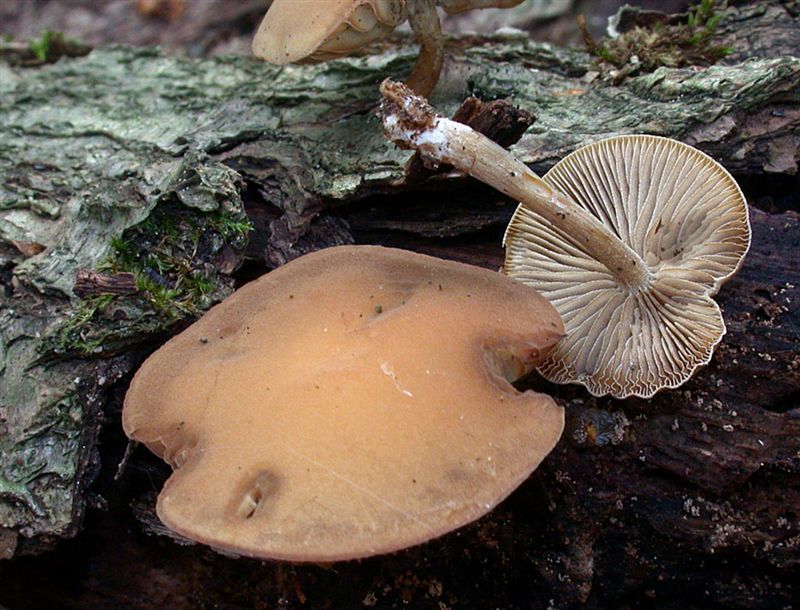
[326, 29]
[354, 401]
[629, 238]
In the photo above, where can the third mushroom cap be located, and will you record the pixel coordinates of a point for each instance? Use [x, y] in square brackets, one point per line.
[318, 30]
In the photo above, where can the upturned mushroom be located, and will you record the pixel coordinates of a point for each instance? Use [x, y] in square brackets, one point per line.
[354, 401]
[318, 30]
[629, 238]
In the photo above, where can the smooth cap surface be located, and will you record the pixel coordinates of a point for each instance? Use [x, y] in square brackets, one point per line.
[354, 401]
[684, 215]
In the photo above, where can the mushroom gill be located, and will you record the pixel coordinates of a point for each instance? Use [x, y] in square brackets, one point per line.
[629, 238]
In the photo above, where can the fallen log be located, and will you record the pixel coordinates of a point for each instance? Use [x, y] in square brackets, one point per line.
[175, 170]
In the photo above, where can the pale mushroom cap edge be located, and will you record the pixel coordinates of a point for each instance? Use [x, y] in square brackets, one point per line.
[453, 7]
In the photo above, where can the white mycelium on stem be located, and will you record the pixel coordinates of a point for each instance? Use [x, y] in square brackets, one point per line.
[410, 122]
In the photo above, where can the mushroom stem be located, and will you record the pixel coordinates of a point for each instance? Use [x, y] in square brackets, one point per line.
[410, 122]
[424, 21]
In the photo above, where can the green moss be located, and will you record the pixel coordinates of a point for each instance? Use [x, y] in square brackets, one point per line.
[40, 47]
[644, 49]
[50, 46]
[171, 254]
[230, 228]
[75, 335]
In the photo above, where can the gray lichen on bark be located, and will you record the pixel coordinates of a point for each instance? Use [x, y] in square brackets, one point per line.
[90, 147]
[49, 421]
[707, 108]
[70, 182]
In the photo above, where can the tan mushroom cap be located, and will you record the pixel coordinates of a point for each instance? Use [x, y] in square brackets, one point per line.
[316, 30]
[687, 219]
[353, 402]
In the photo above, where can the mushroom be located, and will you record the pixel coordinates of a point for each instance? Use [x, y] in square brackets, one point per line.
[629, 238]
[326, 29]
[355, 401]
